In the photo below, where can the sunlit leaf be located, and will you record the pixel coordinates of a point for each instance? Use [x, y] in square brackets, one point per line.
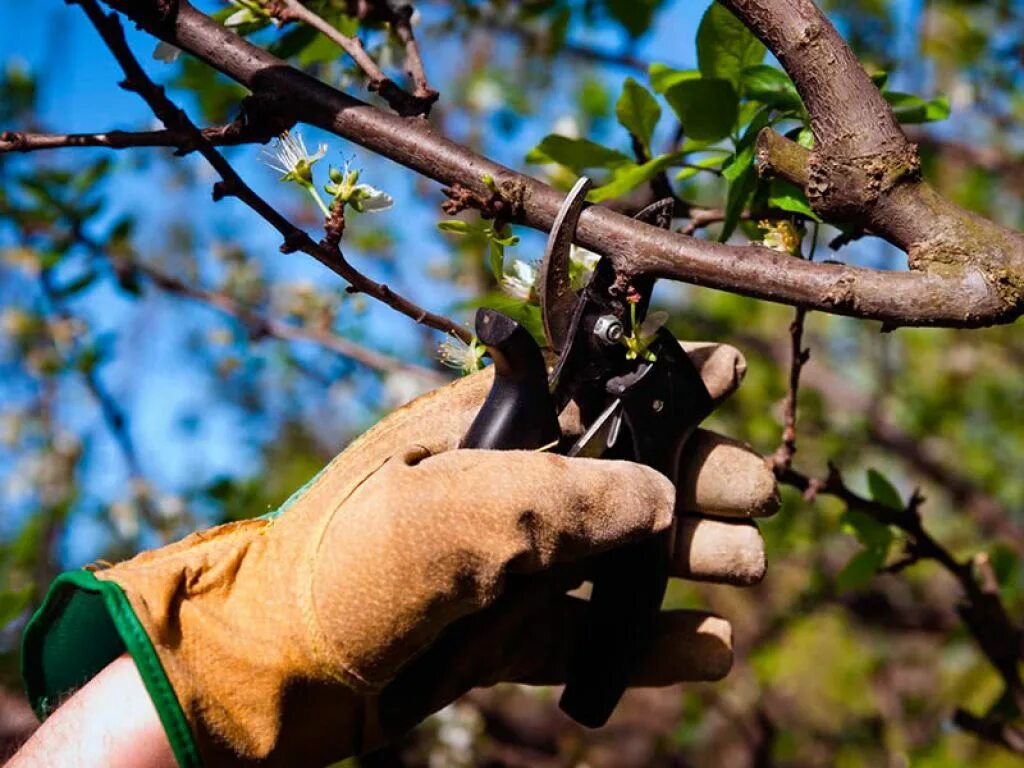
[725, 47]
[706, 107]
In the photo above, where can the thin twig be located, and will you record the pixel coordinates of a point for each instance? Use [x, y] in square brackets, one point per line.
[798, 357]
[417, 103]
[981, 609]
[232, 134]
[295, 239]
[259, 324]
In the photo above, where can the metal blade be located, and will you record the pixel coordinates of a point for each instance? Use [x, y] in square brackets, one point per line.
[658, 214]
[557, 298]
[601, 435]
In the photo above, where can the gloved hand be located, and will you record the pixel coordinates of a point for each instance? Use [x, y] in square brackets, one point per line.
[404, 574]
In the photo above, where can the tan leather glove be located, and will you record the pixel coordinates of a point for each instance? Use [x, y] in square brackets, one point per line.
[406, 573]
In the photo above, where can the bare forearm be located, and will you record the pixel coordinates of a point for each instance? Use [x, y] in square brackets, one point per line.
[111, 722]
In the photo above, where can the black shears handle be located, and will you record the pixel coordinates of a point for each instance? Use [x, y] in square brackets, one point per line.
[662, 404]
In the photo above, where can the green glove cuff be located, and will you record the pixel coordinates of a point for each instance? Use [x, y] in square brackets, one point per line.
[82, 626]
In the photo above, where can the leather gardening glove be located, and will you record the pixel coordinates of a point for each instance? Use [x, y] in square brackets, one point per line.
[404, 574]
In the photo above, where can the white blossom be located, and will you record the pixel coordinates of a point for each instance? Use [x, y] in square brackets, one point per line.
[460, 356]
[290, 156]
[521, 281]
[581, 266]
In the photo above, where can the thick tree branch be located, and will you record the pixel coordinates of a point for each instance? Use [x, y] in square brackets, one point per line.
[232, 184]
[965, 298]
[863, 169]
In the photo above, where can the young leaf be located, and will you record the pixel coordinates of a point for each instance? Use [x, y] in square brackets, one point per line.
[706, 107]
[858, 572]
[638, 112]
[696, 166]
[635, 16]
[575, 154]
[456, 226]
[663, 77]
[496, 258]
[883, 491]
[868, 531]
[629, 177]
[909, 108]
[771, 86]
[740, 192]
[789, 197]
[740, 163]
[725, 47]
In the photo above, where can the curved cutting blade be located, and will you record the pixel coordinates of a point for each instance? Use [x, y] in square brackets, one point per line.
[557, 298]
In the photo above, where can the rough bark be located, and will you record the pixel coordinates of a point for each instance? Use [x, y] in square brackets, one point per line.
[961, 297]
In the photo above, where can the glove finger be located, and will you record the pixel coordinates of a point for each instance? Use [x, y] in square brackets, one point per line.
[718, 550]
[721, 366]
[455, 526]
[527, 637]
[724, 477]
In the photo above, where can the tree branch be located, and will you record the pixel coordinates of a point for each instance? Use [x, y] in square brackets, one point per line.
[981, 610]
[259, 324]
[220, 136]
[968, 297]
[232, 184]
[863, 169]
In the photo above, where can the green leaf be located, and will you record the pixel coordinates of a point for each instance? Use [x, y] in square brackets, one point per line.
[637, 111]
[696, 166]
[740, 191]
[771, 86]
[909, 108]
[456, 226]
[575, 154]
[868, 531]
[635, 16]
[663, 77]
[883, 491]
[706, 107]
[629, 177]
[739, 163]
[496, 258]
[789, 197]
[524, 313]
[858, 572]
[725, 47]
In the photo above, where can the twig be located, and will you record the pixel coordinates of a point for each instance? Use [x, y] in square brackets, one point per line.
[258, 324]
[405, 104]
[175, 119]
[244, 130]
[981, 610]
[113, 417]
[798, 357]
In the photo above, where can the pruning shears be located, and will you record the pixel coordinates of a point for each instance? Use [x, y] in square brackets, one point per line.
[639, 401]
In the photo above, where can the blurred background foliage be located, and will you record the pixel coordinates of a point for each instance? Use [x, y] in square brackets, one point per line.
[142, 393]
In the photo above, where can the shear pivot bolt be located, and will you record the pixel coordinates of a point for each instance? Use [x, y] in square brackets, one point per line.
[608, 329]
[657, 405]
